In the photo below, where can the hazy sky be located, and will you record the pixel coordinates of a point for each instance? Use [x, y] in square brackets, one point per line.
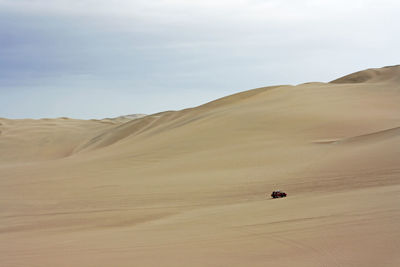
[103, 58]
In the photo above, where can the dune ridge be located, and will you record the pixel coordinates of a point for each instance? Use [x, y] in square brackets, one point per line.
[372, 75]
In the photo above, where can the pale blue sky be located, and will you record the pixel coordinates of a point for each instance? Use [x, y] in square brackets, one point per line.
[95, 59]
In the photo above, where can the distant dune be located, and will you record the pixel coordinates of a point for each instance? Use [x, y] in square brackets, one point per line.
[189, 187]
[125, 118]
[385, 74]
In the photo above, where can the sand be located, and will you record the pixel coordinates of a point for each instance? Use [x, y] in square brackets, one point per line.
[191, 187]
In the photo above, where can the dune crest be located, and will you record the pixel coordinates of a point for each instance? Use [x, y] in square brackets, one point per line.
[389, 73]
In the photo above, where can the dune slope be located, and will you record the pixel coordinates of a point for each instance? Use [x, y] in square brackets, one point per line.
[190, 187]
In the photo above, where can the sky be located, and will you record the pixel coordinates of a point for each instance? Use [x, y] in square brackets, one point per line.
[105, 58]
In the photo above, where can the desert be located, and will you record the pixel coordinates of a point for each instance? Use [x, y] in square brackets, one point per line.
[191, 187]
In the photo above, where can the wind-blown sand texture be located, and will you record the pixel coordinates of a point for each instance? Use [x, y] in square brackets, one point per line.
[188, 188]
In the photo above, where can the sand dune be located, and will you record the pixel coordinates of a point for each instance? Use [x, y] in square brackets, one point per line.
[188, 187]
[385, 74]
[45, 139]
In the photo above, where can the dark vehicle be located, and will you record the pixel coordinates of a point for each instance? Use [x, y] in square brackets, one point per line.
[277, 194]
